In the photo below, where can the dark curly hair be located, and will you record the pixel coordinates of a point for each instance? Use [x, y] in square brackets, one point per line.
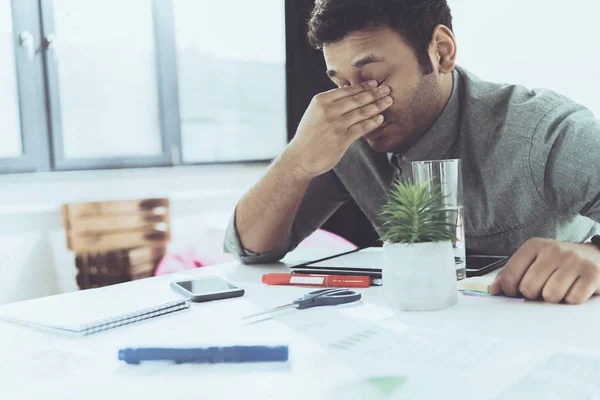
[415, 20]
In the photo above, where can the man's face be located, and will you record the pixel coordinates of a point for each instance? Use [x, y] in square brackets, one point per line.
[381, 54]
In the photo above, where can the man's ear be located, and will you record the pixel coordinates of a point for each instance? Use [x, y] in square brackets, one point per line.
[443, 46]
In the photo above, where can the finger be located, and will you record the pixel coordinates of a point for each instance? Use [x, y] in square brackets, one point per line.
[350, 103]
[580, 291]
[340, 93]
[495, 288]
[536, 276]
[559, 284]
[366, 112]
[516, 267]
[362, 128]
[586, 285]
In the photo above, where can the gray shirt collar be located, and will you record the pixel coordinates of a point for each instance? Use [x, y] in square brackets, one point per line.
[440, 138]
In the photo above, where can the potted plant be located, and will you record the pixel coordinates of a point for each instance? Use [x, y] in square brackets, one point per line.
[419, 272]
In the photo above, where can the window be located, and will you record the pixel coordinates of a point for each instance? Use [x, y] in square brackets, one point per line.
[114, 84]
[106, 78]
[231, 79]
[103, 84]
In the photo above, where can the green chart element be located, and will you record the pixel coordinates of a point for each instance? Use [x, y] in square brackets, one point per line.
[387, 385]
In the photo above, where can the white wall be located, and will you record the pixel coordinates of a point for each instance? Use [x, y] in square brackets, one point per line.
[538, 43]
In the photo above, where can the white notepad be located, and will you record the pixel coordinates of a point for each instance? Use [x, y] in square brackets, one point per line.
[95, 310]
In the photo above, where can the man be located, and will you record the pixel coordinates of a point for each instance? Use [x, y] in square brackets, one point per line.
[531, 159]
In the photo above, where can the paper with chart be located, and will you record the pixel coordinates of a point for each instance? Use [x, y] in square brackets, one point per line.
[30, 371]
[561, 376]
[407, 361]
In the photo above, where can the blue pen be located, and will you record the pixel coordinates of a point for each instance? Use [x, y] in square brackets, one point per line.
[210, 355]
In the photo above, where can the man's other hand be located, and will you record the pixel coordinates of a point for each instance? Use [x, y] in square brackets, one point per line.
[332, 122]
[552, 270]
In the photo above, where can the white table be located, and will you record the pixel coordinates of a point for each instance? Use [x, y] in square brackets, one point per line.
[477, 349]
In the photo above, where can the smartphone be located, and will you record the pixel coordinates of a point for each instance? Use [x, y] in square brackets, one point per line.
[478, 265]
[207, 288]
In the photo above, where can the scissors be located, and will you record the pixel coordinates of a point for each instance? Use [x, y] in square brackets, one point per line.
[323, 297]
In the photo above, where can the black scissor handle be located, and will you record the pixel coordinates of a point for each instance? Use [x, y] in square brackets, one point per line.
[327, 297]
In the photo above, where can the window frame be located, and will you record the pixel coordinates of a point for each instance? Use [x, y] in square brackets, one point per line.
[35, 156]
[168, 98]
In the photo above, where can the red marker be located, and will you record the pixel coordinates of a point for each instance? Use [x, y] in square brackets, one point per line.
[317, 280]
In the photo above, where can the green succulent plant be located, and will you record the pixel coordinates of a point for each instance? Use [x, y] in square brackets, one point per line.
[416, 214]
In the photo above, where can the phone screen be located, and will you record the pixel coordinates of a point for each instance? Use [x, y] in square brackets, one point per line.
[208, 285]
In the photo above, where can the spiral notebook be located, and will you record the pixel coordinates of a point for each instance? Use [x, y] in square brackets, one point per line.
[95, 310]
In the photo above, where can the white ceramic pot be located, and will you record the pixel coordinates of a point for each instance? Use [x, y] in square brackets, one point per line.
[419, 277]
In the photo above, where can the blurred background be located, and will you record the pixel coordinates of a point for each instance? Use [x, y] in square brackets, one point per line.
[189, 100]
